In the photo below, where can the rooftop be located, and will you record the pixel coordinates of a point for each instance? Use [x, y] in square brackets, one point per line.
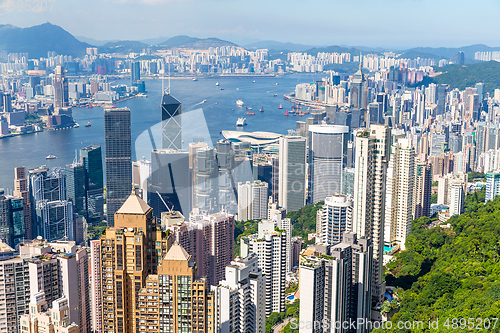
[134, 205]
[177, 252]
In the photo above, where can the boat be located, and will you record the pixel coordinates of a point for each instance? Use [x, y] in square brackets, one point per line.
[203, 101]
[141, 95]
[280, 107]
[275, 95]
[276, 83]
[217, 84]
[253, 81]
[250, 113]
[221, 88]
[239, 102]
[195, 79]
[88, 124]
[51, 157]
[262, 108]
[286, 113]
[241, 122]
[248, 108]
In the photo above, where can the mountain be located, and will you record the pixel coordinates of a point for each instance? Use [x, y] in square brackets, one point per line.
[93, 41]
[447, 52]
[153, 41]
[274, 45]
[187, 42]
[122, 46]
[449, 272]
[335, 48]
[40, 39]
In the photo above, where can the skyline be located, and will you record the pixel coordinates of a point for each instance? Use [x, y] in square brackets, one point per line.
[382, 25]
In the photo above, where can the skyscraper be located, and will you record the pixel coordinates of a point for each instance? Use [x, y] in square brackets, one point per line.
[240, 298]
[423, 183]
[76, 187]
[171, 122]
[61, 95]
[21, 190]
[327, 159]
[92, 162]
[11, 219]
[399, 193]
[135, 71]
[206, 180]
[292, 172]
[336, 219]
[358, 92]
[117, 142]
[55, 220]
[170, 179]
[372, 157]
[252, 200]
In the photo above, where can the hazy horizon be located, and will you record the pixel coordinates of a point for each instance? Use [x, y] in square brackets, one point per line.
[392, 24]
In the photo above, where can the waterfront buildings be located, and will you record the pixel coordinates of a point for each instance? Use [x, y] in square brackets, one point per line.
[117, 142]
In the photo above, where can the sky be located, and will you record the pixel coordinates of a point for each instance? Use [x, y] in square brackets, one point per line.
[397, 24]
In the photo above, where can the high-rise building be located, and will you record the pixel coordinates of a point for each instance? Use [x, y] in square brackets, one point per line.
[61, 95]
[76, 187]
[292, 172]
[135, 71]
[252, 200]
[240, 298]
[46, 186]
[327, 159]
[444, 187]
[55, 220]
[130, 250]
[372, 157]
[96, 286]
[92, 162]
[348, 181]
[206, 179]
[336, 219]
[171, 122]
[11, 219]
[277, 215]
[492, 185]
[174, 299]
[270, 246]
[208, 238]
[358, 93]
[170, 182]
[400, 189]
[335, 285]
[21, 189]
[42, 318]
[117, 142]
[422, 194]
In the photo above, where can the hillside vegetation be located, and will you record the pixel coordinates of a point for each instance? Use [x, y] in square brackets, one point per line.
[448, 273]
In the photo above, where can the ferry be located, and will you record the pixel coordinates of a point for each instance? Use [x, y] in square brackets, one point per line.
[250, 113]
[195, 79]
[248, 109]
[275, 95]
[239, 102]
[262, 108]
[221, 88]
[142, 95]
[253, 81]
[50, 157]
[280, 107]
[203, 101]
[217, 84]
[88, 124]
[241, 122]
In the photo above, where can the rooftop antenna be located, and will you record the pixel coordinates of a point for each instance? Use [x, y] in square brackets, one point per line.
[169, 209]
[169, 78]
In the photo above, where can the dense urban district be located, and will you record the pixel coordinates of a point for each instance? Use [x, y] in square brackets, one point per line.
[377, 212]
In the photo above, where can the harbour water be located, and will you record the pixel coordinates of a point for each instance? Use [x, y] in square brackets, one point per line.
[220, 112]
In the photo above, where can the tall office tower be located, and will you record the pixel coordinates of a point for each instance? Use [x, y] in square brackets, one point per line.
[117, 143]
[399, 193]
[227, 184]
[206, 180]
[455, 143]
[11, 219]
[492, 185]
[21, 190]
[209, 239]
[372, 157]
[420, 108]
[46, 186]
[44, 318]
[130, 251]
[75, 187]
[327, 159]
[252, 200]
[175, 299]
[95, 286]
[193, 148]
[55, 220]
[61, 95]
[348, 181]
[240, 298]
[292, 172]
[438, 143]
[358, 93]
[375, 114]
[92, 162]
[441, 91]
[7, 102]
[171, 122]
[262, 167]
[423, 185]
[468, 113]
[170, 182]
[383, 99]
[270, 246]
[336, 219]
[335, 284]
[135, 71]
[14, 292]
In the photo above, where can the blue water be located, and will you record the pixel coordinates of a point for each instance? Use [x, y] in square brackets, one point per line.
[290, 298]
[31, 150]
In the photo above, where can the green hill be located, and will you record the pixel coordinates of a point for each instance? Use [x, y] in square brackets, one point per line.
[467, 76]
[122, 46]
[450, 273]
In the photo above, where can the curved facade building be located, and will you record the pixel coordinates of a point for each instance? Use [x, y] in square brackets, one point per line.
[327, 159]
